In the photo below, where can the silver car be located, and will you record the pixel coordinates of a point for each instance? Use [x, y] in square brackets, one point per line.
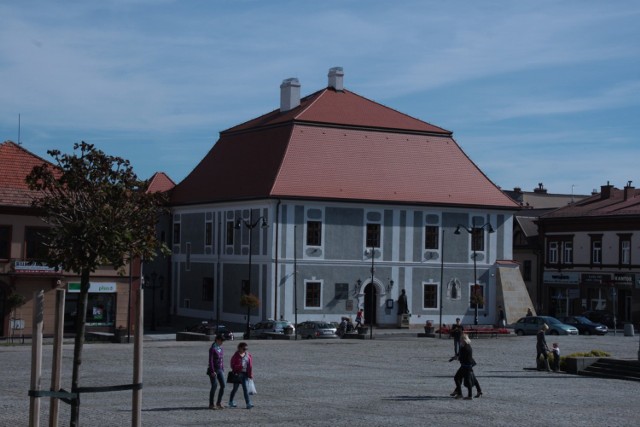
[530, 325]
[317, 329]
[269, 327]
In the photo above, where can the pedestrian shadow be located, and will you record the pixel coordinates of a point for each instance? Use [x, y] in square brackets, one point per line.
[178, 408]
[416, 398]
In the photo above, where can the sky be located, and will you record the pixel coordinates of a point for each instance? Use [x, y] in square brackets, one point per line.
[534, 91]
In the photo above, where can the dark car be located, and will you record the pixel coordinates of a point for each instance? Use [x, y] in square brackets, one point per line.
[584, 325]
[269, 327]
[530, 325]
[317, 329]
[211, 329]
[600, 316]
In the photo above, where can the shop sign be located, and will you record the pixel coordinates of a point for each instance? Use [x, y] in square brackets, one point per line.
[561, 278]
[94, 288]
[623, 280]
[32, 267]
[595, 279]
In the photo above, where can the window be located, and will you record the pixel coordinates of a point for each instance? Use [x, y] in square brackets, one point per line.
[34, 243]
[431, 237]
[596, 249]
[430, 295]
[230, 230]
[207, 289]
[552, 253]
[342, 290]
[176, 233]
[625, 249]
[476, 294]
[208, 233]
[526, 270]
[477, 239]
[5, 242]
[373, 235]
[567, 252]
[312, 294]
[314, 233]
[187, 264]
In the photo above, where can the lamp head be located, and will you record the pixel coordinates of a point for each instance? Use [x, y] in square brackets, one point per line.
[238, 223]
[457, 230]
[490, 228]
[264, 223]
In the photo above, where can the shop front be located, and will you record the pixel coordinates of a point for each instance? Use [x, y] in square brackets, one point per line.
[101, 306]
[562, 293]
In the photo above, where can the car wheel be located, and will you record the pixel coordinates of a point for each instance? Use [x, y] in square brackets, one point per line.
[519, 332]
[554, 332]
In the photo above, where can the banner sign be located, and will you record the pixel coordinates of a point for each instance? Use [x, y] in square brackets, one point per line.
[94, 288]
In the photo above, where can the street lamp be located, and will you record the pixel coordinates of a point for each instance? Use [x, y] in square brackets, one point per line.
[372, 252]
[474, 246]
[251, 224]
[153, 282]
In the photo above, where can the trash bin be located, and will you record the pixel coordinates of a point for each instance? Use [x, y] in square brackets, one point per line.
[628, 329]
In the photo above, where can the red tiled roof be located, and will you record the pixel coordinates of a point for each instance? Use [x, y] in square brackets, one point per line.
[599, 206]
[15, 164]
[160, 182]
[339, 146]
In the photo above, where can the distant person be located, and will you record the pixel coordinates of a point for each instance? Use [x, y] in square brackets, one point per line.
[501, 317]
[556, 357]
[456, 334]
[529, 312]
[359, 317]
[241, 364]
[465, 374]
[216, 372]
[403, 306]
[541, 347]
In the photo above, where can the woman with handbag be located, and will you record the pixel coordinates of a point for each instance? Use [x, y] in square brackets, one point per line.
[216, 372]
[242, 367]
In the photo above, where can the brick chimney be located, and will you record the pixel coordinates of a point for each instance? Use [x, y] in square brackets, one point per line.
[336, 78]
[540, 189]
[629, 191]
[606, 191]
[289, 94]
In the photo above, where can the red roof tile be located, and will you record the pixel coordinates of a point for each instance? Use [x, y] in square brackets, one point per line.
[599, 206]
[160, 182]
[340, 146]
[15, 164]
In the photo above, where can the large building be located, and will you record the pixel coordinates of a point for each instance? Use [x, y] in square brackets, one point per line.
[333, 203]
[591, 261]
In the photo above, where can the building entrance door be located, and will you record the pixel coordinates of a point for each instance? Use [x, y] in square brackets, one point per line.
[370, 304]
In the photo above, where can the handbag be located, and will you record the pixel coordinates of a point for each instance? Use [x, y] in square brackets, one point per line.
[209, 371]
[233, 378]
[251, 387]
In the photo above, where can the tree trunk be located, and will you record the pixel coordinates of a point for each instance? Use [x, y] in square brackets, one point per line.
[81, 320]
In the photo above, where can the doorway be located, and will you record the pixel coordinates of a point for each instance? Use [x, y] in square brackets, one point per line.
[370, 304]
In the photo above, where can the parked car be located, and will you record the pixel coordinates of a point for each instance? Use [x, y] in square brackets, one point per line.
[600, 316]
[584, 325]
[530, 325]
[209, 329]
[263, 329]
[317, 329]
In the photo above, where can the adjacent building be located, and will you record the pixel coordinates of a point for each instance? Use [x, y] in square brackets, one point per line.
[333, 203]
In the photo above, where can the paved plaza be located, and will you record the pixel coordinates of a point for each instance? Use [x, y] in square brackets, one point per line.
[396, 379]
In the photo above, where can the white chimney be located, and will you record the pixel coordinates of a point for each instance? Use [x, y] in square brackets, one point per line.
[289, 94]
[336, 78]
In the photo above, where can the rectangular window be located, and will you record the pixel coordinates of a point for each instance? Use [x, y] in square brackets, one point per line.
[34, 243]
[342, 290]
[373, 235]
[477, 239]
[207, 289]
[314, 233]
[430, 296]
[567, 252]
[476, 296]
[187, 264]
[625, 249]
[5, 242]
[230, 230]
[176, 233]
[526, 270]
[208, 233]
[312, 294]
[431, 237]
[596, 251]
[552, 253]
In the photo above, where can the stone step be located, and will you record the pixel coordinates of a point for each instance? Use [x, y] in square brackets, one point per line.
[613, 368]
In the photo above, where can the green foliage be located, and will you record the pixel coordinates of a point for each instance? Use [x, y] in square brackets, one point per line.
[99, 211]
[249, 300]
[14, 300]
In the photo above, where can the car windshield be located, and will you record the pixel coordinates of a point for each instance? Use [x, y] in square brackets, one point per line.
[552, 320]
[584, 320]
[324, 326]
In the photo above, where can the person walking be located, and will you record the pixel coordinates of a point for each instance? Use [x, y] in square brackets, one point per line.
[242, 366]
[456, 332]
[502, 317]
[541, 347]
[216, 372]
[465, 374]
[359, 317]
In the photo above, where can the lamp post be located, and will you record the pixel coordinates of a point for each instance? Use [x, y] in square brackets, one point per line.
[153, 282]
[441, 280]
[251, 224]
[372, 251]
[474, 247]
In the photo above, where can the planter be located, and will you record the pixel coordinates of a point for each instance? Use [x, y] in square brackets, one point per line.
[363, 330]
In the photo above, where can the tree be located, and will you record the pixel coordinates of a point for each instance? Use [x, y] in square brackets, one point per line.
[99, 214]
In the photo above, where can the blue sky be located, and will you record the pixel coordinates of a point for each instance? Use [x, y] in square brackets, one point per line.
[534, 91]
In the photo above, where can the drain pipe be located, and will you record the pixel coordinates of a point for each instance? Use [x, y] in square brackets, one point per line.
[275, 269]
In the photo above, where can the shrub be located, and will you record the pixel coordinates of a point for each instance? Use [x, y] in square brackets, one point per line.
[592, 353]
[249, 300]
